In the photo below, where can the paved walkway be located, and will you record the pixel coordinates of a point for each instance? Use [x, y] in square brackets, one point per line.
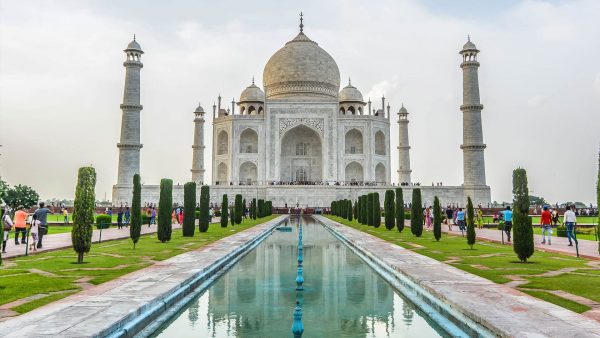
[63, 240]
[587, 248]
[501, 309]
[111, 306]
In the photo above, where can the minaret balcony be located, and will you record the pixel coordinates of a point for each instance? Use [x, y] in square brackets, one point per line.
[200, 147]
[129, 106]
[129, 146]
[469, 107]
[467, 64]
[403, 147]
[473, 146]
[133, 64]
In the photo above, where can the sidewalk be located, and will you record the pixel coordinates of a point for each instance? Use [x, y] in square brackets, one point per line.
[587, 248]
[63, 240]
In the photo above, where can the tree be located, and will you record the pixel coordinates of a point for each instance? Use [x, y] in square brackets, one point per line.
[261, 208]
[389, 209]
[399, 210]
[253, 208]
[437, 219]
[350, 210]
[522, 229]
[376, 210]
[136, 211]
[370, 207]
[239, 209]
[3, 189]
[204, 219]
[83, 212]
[243, 208]
[355, 210]
[165, 206]
[21, 195]
[471, 222]
[365, 212]
[232, 215]
[416, 213]
[224, 211]
[189, 209]
[535, 200]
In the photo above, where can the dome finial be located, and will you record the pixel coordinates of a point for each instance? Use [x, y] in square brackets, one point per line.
[134, 37]
[469, 37]
[252, 79]
[349, 81]
[301, 24]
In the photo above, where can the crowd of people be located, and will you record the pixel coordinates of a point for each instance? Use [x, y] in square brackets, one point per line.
[38, 221]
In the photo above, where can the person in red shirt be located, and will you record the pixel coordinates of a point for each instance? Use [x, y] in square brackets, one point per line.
[546, 223]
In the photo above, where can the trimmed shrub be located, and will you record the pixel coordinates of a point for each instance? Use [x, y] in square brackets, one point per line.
[350, 210]
[355, 210]
[376, 210]
[232, 215]
[135, 228]
[365, 211]
[189, 209]
[239, 209]
[83, 212]
[370, 207]
[253, 208]
[204, 219]
[470, 223]
[522, 229]
[261, 208]
[224, 212]
[437, 219]
[103, 221]
[400, 217]
[165, 206]
[389, 209]
[416, 212]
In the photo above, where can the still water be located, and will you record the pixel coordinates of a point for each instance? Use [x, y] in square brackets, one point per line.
[343, 296]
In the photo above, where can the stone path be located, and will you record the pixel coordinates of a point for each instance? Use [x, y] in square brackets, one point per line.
[505, 311]
[63, 240]
[101, 309]
[587, 248]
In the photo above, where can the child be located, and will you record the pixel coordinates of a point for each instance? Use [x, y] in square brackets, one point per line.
[33, 230]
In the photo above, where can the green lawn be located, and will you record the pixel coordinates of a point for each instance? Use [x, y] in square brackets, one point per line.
[498, 263]
[19, 277]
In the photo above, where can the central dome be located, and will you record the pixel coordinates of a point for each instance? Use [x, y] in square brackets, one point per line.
[301, 68]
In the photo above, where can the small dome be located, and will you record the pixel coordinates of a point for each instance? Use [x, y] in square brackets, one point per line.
[199, 109]
[350, 94]
[469, 46]
[252, 94]
[403, 110]
[134, 46]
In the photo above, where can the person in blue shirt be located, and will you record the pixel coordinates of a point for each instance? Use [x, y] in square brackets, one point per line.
[508, 216]
[460, 220]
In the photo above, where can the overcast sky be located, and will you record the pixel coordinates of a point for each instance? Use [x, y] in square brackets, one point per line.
[61, 82]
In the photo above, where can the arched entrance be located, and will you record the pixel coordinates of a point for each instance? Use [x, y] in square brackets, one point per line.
[248, 173]
[380, 175]
[354, 172]
[301, 155]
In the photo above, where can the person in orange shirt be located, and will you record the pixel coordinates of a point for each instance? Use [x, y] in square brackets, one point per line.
[20, 224]
[546, 223]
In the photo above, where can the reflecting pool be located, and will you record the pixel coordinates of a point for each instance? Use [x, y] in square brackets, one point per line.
[342, 297]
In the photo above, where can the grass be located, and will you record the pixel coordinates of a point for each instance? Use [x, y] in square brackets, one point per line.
[20, 278]
[499, 262]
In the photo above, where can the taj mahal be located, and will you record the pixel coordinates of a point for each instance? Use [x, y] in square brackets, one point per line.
[300, 140]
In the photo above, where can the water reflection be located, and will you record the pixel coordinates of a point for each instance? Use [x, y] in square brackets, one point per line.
[343, 297]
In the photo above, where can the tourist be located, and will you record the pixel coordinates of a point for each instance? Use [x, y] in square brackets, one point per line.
[20, 223]
[508, 216]
[460, 220]
[449, 214]
[153, 215]
[34, 231]
[42, 216]
[174, 216]
[180, 218]
[120, 218]
[428, 216]
[546, 224]
[555, 217]
[479, 218]
[7, 223]
[127, 216]
[65, 216]
[569, 219]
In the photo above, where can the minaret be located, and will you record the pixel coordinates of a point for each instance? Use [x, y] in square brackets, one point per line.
[129, 146]
[403, 147]
[473, 146]
[198, 147]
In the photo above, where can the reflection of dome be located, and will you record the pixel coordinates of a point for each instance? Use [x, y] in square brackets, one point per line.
[350, 94]
[301, 67]
[252, 94]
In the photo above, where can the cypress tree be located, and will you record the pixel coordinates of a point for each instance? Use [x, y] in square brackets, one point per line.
[470, 223]
[189, 209]
[232, 215]
[399, 210]
[238, 209]
[376, 210]
[358, 210]
[135, 228]
[365, 212]
[350, 210]
[416, 213]
[370, 207]
[437, 219]
[522, 229]
[243, 209]
[83, 212]
[355, 210]
[253, 208]
[261, 208]
[204, 219]
[388, 207]
[165, 206]
[224, 211]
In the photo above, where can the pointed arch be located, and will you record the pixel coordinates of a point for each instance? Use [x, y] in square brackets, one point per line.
[380, 143]
[222, 143]
[249, 141]
[353, 142]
